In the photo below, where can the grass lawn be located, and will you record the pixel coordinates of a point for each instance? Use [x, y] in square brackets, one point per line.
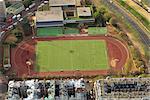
[71, 30]
[49, 31]
[56, 31]
[71, 55]
[97, 30]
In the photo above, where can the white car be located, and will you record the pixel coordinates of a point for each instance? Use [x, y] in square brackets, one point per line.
[1, 33]
[20, 19]
[10, 27]
[45, 1]
[32, 5]
[26, 9]
[15, 23]
[18, 16]
[14, 17]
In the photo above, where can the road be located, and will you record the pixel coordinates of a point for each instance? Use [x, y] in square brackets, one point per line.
[23, 14]
[144, 38]
[141, 32]
[139, 9]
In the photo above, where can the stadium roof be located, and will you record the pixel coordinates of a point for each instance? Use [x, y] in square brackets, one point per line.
[61, 2]
[84, 11]
[55, 14]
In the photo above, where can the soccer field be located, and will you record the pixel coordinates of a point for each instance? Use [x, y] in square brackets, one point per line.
[66, 55]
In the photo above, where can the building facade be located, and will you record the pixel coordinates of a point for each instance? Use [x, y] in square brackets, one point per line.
[2, 9]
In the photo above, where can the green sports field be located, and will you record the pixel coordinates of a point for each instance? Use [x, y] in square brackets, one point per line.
[64, 55]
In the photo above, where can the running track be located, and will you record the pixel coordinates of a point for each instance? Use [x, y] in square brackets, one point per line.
[26, 50]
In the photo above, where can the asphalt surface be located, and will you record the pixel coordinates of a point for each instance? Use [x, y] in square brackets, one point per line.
[142, 34]
[23, 14]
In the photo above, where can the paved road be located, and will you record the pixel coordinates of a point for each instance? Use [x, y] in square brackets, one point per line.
[23, 14]
[142, 34]
[144, 38]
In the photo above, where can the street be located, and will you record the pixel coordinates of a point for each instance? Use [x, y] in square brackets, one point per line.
[144, 38]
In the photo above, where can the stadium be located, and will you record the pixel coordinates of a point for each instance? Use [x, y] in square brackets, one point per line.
[69, 56]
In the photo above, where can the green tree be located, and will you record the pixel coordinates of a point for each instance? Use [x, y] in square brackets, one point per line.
[7, 3]
[27, 2]
[114, 22]
[107, 16]
[26, 27]
[101, 16]
[11, 39]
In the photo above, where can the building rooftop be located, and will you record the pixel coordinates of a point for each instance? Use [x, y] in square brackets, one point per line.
[55, 14]
[16, 5]
[15, 8]
[54, 89]
[61, 2]
[123, 88]
[84, 11]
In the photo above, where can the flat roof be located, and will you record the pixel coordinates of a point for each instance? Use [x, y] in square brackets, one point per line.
[16, 5]
[84, 11]
[61, 2]
[55, 14]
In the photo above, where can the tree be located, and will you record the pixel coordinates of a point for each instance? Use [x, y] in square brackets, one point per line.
[26, 27]
[27, 3]
[99, 16]
[114, 22]
[107, 16]
[7, 3]
[11, 39]
[88, 2]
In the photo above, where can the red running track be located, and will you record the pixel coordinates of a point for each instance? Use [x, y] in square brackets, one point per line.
[26, 50]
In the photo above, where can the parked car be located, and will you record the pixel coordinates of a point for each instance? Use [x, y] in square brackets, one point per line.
[20, 19]
[32, 5]
[18, 16]
[26, 9]
[10, 27]
[1, 33]
[14, 17]
[15, 23]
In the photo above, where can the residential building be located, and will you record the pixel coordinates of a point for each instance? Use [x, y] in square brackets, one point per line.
[122, 89]
[34, 89]
[15, 8]
[2, 9]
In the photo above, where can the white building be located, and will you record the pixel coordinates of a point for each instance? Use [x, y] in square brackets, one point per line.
[2, 9]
